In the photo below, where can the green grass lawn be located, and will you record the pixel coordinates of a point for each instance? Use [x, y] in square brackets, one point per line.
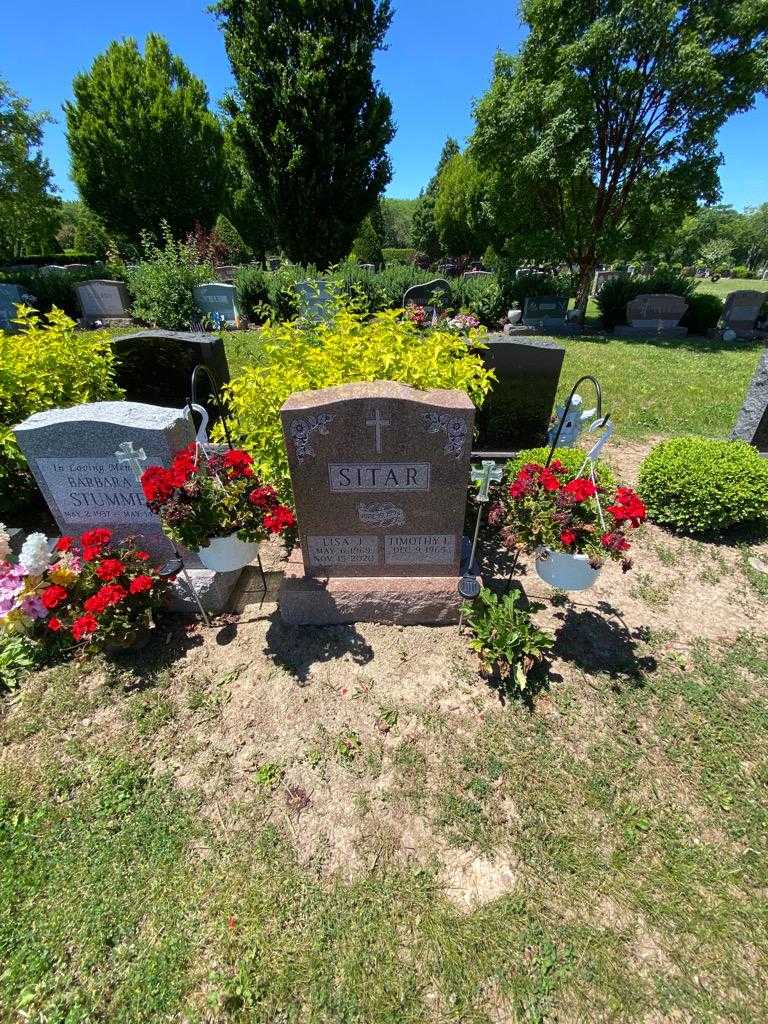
[726, 285]
[634, 815]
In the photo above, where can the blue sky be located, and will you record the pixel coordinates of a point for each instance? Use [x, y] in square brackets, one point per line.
[439, 60]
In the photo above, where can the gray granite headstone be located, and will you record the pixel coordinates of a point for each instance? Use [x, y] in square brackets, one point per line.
[545, 311]
[10, 297]
[517, 410]
[432, 295]
[217, 301]
[103, 300]
[752, 421]
[742, 309]
[380, 474]
[602, 277]
[651, 315]
[71, 453]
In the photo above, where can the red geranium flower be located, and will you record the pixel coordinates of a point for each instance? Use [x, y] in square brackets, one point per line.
[143, 556]
[238, 463]
[263, 497]
[278, 519]
[84, 626]
[54, 624]
[157, 484]
[549, 481]
[53, 596]
[628, 508]
[140, 584]
[110, 569]
[63, 544]
[99, 537]
[614, 542]
[567, 537]
[557, 466]
[109, 594]
[91, 551]
[580, 489]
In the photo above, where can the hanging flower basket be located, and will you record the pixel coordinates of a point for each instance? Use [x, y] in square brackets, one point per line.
[225, 554]
[565, 571]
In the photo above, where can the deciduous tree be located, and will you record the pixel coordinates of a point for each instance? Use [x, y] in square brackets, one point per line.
[603, 128]
[308, 116]
[28, 209]
[145, 147]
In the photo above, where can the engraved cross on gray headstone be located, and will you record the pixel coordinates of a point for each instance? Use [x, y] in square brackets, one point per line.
[132, 456]
[377, 423]
[488, 473]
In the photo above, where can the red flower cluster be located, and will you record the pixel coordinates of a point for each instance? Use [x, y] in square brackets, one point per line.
[53, 596]
[580, 489]
[84, 626]
[237, 463]
[263, 497]
[110, 569]
[627, 508]
[92, 542]
[105, 597]
[532, 475]
[279, 519]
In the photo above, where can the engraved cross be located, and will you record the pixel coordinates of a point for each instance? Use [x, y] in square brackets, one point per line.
[132, 456]
[377, 423]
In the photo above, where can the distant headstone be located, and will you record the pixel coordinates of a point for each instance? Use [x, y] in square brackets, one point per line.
[226, 273]
[217, 301]
[651, 315]
[72, 456]
[741, 311]
[103, 301]
[315, 301]
[546, 311]
[380, 474]
[752, 421]
[602, 277]
[516, 412]
[156, 366]
[478, 273]
[433, 296]
[12, 295]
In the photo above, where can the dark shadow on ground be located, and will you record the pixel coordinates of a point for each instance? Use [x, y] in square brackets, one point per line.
[298, 648]
[171, 639]
[599, 641]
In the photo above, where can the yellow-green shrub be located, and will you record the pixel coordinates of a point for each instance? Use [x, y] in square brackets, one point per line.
[44, 366]
[386, 347]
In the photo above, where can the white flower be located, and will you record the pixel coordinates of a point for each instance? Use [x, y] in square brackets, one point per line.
[5, 545]
[35, 556]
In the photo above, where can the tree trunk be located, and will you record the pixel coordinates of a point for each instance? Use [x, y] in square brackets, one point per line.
[586, 273]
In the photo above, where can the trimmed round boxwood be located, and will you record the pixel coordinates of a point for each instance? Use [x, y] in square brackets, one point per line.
[572, 458]
[697, 485]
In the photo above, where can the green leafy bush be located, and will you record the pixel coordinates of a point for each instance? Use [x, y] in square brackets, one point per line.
[161, 284]
[46, 365]
[18, 655]
[703, 312]
[296, 358]
[252, 290]
[697, 485]
[230, 237]
[481, 296]
[614, 295]
[505, 638]
[399, 255]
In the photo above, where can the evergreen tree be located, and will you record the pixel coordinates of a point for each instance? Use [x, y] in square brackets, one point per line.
[424, 230]
[311, 123]
[145, 147]
[228, 234]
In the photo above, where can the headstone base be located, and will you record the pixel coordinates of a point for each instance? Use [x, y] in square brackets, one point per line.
[630, 331]
[402, 600]
[86, 323]
[214, 590]
[536, 330]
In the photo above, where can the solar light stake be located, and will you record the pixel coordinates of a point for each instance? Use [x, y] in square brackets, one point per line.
[489, 472]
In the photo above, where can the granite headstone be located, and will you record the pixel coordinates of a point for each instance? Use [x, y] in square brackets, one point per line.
[547, 311]
[156, 366]
[218, 302]
[433, 295]
[315, 301]
[516, 412]
[602, 277]
[380, 474]
[103, 300]
[11, 295]
[741, 311]
[650, 315]
[72, 456]
[752, 421]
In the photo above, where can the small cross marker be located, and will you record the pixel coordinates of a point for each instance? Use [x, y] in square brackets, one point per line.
[132, 456]
[377, 423]
[488, 472]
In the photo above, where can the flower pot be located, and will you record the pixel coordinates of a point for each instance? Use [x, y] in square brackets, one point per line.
[225, 554]
[136, 640]
[565, 571]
